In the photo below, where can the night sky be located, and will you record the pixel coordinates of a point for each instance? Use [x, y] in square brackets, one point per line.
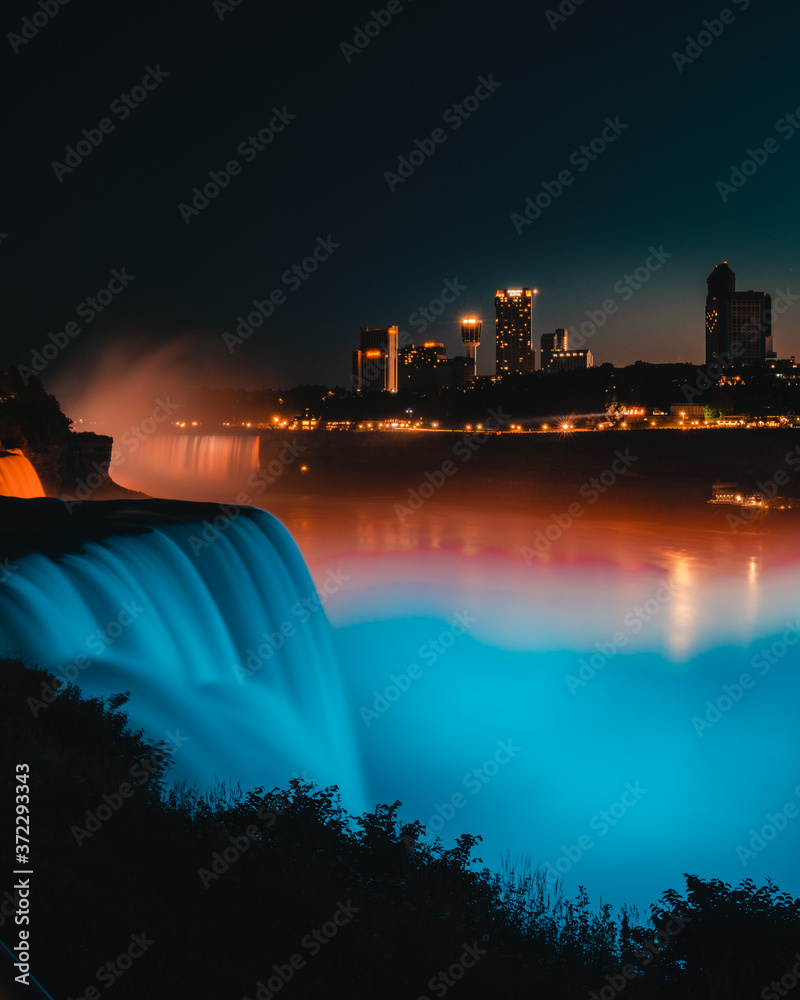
[222, 70]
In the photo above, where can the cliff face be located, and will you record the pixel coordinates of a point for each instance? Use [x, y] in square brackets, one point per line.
[83, 459]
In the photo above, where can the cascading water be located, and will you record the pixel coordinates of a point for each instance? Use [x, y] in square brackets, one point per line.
[18, 477]
[210, 619]
[590, 713]
[196, 465]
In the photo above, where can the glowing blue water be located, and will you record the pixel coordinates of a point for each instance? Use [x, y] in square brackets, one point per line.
[216, 631]
[574, 756]
[486, 735]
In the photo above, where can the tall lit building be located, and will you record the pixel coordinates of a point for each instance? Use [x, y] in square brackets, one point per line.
[471, 338]
[738, 324]
[514, 354]
[375, 361]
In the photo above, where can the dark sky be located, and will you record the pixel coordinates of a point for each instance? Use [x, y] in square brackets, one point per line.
[323, 175]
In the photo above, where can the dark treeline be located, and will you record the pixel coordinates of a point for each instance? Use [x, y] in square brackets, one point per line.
[159, 891]
[30, 418]
[537, 395]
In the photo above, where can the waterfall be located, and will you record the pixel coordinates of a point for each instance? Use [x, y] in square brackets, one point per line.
[184, 464]
[207, 614]
[18, 477]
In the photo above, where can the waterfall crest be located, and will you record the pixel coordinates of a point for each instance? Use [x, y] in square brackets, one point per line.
[205, 612]
[18, 478]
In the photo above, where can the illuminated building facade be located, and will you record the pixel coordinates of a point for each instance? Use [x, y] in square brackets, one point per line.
[375, 361]
[423, 367]
[570, 361]
[751, 327]
[557, 357]
[471, 338]
[514, 354]
[738, 324]
[552, 342]
[428, 367]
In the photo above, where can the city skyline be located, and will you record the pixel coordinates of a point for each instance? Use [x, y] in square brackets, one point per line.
[738, 330]
[212, 190]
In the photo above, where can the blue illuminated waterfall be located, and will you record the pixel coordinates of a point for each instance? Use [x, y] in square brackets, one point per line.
[207, 615]
[530, 702]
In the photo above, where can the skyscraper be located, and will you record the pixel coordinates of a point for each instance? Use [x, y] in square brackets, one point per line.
[514, 353]
[738, 324]
[375, 361]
